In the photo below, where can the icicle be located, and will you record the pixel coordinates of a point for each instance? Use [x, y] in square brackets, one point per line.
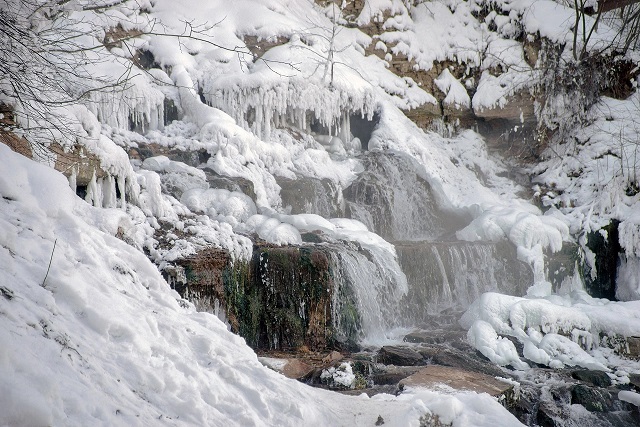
[108, 192]
[73, 180]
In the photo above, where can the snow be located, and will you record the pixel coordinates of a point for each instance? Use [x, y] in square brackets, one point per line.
[629, 396]
[456, 94]
[555, 330]
[104, 341]
[339, 376]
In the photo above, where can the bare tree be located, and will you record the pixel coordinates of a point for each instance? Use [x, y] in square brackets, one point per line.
[45, 51]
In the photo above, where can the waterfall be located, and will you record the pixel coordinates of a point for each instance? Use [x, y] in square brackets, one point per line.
[443, 275]
[367, 295]
[392, 200]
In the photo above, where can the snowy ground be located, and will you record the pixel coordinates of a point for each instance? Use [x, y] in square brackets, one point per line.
[104, 341]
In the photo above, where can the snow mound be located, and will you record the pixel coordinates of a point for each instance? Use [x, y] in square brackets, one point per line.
[556, 331]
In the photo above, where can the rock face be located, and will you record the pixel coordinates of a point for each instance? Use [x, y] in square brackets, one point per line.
[399, 356]
[597, 378]
[433, 376]
[606, 251]
[281, 299]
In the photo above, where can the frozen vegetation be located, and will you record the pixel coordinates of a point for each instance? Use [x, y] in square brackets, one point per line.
[91, 333]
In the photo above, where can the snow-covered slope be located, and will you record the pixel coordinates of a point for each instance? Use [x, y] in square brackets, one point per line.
[104, 341]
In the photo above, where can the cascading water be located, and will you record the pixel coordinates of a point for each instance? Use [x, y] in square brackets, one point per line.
[367, 299]
[446, 275]
[392, 200]
[376, 293]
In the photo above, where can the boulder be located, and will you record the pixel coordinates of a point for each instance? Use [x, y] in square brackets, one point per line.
[393, 374]
[467, 359]
[399, 356]
[334, 356]
[597, 378]
[296, 369]
[433, 376]
[290, 368]
[593, 399]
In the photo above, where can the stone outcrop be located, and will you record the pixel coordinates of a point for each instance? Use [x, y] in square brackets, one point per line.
[434, 376]
[280, 299]
[399, 356]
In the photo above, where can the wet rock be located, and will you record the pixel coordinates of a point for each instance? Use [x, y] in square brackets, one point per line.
[634, 380]
[459, 379]
[597, 378]
[389, 375]
[466, 358]
[593, 399]
[311, 195]
[437, 336]
[239, 184]
[606, 251]
[399, 356]
[547, 415]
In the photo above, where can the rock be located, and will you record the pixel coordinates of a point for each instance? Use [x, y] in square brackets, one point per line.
[296, 369]
[305, 194]
[547, 414]
[634, 380]
[400, 356]
[393, 374]
[597, 378]
[459, 379]
[380, 420]
[519, 107]
[290, 368]
[593, 399]
[334, 356]
[633, 345]
[467, 359]
[428, 337]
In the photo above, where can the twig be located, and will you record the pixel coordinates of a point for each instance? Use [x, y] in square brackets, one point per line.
[50, 260]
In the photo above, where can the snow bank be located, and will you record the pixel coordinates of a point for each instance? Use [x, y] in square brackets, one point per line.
[102, 340]
[556, 331]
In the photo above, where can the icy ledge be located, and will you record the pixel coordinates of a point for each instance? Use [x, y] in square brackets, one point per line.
[556, 331]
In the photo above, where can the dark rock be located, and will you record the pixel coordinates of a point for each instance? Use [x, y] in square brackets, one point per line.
[437, 336]
[466, 358]
[593, 399]
[597, 378]
[606, 251]
[633, 346]
[380, 420]
[634, 380]
[280, 299]
[393, 374]
[400, 356]
[241, 185]
[311, 195]
[547, 415]
[171, 111]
